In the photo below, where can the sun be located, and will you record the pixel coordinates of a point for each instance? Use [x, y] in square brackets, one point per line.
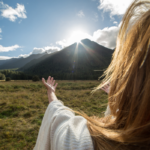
[77, 36]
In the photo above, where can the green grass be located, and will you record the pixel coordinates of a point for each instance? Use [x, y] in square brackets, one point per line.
[23, 104]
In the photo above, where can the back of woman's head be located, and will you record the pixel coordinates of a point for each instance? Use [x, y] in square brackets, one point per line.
[129, 72]
[129, 77]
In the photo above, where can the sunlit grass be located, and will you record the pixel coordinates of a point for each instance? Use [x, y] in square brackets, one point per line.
[23, 104]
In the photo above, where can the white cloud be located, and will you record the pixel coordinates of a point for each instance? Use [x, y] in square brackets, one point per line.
[81, 14]
[76, 36]
[48, 49]
[115, 22]
[63, 43]
[4, 57]
[10, 48]
[107, 36]
[51, 49]
[23, 55]
[38, 50]
[115, 7]
[12, 13]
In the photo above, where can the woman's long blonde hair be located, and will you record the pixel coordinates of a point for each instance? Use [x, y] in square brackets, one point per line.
[129, 77]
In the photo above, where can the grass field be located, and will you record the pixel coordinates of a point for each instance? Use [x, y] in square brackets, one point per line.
[23, 103]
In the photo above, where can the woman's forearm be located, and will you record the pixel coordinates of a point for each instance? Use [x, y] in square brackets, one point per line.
[51, 96]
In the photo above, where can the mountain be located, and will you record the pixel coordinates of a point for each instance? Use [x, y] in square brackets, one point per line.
[35, 61]
[3, 61]
[77, 61]
[18, 62]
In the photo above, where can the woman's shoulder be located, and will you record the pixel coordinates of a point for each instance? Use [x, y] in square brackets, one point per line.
[61, 129]
[73, 134]
[69, 130]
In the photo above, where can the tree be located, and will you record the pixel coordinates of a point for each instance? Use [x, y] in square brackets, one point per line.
[2, 76]
[8, 79]
[35, 78]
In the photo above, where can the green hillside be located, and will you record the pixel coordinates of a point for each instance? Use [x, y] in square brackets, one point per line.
[77, 61]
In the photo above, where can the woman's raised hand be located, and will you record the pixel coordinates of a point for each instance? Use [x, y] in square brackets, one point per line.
[50, 84]
[106, 88]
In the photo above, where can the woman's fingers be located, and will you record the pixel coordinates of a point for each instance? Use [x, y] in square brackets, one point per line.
[43, 80]
[48, 81]
[55, 85]
[104, 87]
[53, 82]
[107, 86]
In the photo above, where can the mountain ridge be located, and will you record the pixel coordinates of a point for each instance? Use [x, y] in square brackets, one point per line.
[77, 61]
[18, 62]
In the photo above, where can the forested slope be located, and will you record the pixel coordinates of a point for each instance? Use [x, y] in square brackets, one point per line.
[77, 61]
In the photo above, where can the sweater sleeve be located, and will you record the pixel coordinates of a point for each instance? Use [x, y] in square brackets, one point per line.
[62, 130]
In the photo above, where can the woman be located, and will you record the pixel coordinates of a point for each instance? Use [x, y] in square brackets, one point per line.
[127, 126]
[61, 129]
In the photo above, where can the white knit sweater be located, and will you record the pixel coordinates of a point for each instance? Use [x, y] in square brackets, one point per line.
[62, 130]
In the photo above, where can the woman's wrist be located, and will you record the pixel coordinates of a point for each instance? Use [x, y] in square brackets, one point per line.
[51, 96]
[50, 88]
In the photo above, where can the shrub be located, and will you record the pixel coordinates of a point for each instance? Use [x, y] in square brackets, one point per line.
[35, 78]
[2, 76]
[8, 79]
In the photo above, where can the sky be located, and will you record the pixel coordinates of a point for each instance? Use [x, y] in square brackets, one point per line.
[36, 26]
